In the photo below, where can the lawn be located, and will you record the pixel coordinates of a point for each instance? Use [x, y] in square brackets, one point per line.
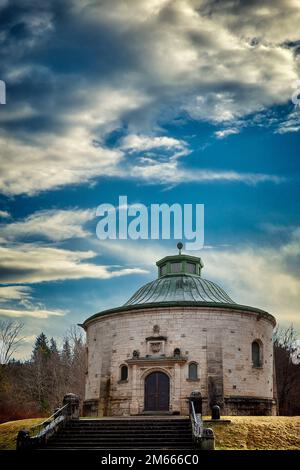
[258, 432]
[244, 432]
[9, 431]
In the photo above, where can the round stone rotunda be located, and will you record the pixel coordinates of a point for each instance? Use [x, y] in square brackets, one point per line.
[175, 335]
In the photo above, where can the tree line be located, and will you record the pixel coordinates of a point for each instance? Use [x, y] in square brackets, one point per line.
[36, 387]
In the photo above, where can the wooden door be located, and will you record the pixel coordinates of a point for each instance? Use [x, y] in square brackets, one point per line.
[157, 392]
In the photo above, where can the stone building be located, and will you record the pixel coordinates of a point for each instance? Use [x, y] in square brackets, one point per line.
[177, 334]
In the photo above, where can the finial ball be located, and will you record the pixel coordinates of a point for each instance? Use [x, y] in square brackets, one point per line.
[179, 246]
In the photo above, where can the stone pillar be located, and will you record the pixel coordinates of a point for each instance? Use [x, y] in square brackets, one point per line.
[73, 409]
[175, 402]
[134, 403]
[215, 368]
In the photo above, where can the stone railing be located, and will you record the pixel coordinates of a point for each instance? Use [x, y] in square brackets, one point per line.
[39, 434]
[204, 438]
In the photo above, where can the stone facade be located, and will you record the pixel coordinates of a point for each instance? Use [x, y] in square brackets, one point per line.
[161, 338]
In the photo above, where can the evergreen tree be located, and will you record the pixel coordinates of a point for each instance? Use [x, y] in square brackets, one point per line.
[41, 347]
[53, 347]
[41, 379]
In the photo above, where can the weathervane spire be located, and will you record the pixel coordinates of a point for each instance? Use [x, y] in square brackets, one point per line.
[179, 246]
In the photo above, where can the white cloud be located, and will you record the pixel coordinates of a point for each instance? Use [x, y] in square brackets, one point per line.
[226, 132]
[142, 143]
[38, 313]
[52, 224]
[8, 293]
[170, 172]
[28, 263]
[290, 124]
[52, 161]
[4, 214]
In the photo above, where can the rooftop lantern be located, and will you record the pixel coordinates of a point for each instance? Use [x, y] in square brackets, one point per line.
[179, 264]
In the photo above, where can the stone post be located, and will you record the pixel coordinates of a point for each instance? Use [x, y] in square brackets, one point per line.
[134, 404]
[73, 409]
[196, 398]
[175, 402]
[215, 412]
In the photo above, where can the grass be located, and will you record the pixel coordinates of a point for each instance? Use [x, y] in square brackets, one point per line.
[258, 433]
[243, 433]
[9, 431]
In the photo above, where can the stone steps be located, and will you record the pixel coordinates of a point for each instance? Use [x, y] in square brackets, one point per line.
[124, 434]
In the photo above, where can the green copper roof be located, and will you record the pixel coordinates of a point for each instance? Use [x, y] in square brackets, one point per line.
[179, 281]
[180, 288]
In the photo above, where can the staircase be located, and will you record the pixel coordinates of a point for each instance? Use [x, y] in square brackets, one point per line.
[131, 433]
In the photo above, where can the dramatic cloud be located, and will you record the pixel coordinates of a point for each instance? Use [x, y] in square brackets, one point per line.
[33, 264]
[8, 293]
[51, 162]
[133, 67]
[52, 224]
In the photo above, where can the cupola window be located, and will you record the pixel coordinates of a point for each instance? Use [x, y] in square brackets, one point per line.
[191, 268]
[163, 270]
[176, 267]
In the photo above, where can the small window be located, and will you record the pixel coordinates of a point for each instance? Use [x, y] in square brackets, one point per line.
[191, 268]
[176, 267]
[193, 371]
[163, 270]
[256, 354]
[124, 373]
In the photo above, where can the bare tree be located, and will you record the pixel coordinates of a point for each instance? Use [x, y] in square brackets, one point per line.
[76, 339]
[287, 373]
[10, 339]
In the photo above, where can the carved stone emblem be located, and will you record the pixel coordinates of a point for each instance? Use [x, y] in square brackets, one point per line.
[156, 329]
[155, 347]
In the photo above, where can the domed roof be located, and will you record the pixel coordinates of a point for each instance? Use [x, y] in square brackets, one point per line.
[180, 288]
[179, 281]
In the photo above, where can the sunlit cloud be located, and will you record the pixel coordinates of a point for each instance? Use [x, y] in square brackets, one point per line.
[38, 314]
[51, 224]
[29, 263]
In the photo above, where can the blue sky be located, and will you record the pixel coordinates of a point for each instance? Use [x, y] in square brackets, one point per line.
[176, 102]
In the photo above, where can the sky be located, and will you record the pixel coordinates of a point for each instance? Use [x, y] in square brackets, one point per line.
[180, 101]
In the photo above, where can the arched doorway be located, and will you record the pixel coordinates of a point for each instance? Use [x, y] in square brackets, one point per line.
[157, 392]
